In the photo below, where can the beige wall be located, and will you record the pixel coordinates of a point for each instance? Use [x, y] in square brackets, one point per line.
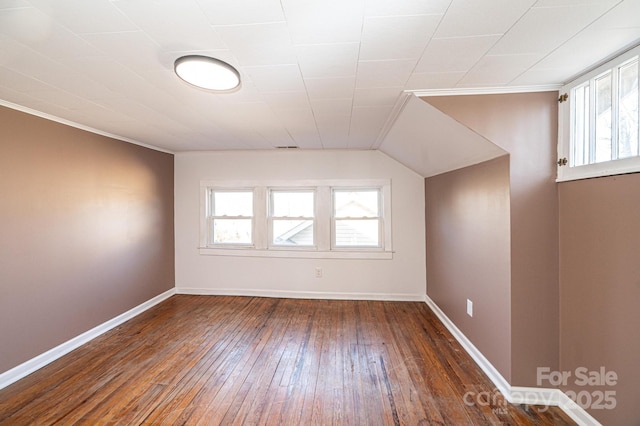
[86, 232]
[468, 252]
[600, 287]
[525, 125]
[402, 278]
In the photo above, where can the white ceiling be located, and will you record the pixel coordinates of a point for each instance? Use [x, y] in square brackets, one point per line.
[315, 73]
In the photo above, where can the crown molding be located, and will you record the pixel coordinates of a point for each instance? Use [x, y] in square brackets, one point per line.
[485, 90]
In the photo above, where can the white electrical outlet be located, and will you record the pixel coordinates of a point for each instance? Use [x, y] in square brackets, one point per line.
[469, 308]
[318, 272]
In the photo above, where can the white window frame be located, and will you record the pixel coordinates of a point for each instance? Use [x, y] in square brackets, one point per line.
[379, 218]
[565, 119]
[323, 208]
[210, 218]
[271, 218]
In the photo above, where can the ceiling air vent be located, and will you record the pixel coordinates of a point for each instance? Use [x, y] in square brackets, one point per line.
[287, 147]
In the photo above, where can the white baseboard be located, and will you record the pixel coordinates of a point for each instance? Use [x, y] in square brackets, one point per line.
[576, 412]
[484, 364]
[28, 367]
[287, 294]
[515, 394]
[534, 396]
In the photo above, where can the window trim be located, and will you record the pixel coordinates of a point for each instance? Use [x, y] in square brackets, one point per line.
[323, 206]
[565, 120]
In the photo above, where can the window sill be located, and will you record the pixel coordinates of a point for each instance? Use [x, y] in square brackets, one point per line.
[297, 254]
[606, 168]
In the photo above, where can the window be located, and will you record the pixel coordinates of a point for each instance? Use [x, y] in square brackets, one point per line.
[304, 219]
[357, 220]
[231, 218]
[599, 130]
[291, 218]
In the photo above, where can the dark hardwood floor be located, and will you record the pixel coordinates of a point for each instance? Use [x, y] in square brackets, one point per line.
[205, 360]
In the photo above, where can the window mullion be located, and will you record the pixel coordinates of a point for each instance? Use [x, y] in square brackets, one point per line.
[323, 218]
[615, 112]
[260, 221]
[385, 219]
[593, 117]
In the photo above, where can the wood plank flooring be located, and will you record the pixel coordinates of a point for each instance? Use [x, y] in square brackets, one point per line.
[209, 360]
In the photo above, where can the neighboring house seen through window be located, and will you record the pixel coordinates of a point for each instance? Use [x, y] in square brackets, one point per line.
[357, 218]
[291, 218]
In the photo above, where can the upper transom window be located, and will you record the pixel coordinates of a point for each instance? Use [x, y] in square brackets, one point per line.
[599, 132]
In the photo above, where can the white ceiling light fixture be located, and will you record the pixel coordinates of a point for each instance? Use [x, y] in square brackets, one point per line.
[207, 73]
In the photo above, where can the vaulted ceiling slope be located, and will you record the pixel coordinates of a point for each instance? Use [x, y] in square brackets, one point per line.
[429, 142]
[315, 73]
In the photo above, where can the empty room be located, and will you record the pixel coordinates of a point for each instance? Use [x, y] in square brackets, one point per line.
[292, 212]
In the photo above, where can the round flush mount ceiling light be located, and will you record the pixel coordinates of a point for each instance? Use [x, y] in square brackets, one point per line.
[207, 73]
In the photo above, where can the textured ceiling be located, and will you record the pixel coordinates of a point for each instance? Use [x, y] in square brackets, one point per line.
[315, 74]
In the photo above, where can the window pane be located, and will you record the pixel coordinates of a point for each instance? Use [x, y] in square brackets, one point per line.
[603, 118]
[292, 203]
[233, 203]
[360, 233]
[628, 114]
[580, 148]
[232, 231]
[293, 232]
[356, 203]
